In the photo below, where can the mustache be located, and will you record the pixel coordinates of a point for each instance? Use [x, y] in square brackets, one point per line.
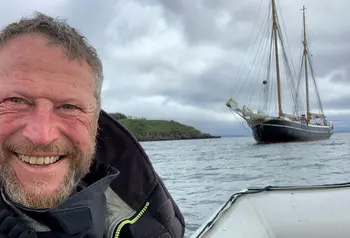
[27, 147]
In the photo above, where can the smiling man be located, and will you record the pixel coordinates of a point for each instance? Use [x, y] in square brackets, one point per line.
[67, 169]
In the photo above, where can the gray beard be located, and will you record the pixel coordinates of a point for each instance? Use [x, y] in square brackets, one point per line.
[35, 197]
[80, 162]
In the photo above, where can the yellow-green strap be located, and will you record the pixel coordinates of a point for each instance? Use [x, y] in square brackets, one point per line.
[130, 221]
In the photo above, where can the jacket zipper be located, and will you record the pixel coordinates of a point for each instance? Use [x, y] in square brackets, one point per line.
[130, 221]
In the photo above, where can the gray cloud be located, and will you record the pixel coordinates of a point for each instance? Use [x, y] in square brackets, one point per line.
[91, 18]
[342, 103]
[179, 59]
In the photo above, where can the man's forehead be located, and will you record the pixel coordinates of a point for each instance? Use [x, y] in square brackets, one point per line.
[33, 52]
[25, 43]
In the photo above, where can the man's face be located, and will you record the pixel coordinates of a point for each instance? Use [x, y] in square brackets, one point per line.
[48, 121]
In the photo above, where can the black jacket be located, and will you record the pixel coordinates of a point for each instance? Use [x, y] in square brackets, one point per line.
[123, 166]
[138, 182]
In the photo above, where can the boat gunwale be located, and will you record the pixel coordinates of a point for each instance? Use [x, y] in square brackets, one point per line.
[209, 223]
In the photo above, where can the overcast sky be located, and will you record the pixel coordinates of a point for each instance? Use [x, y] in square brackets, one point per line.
[177, 59]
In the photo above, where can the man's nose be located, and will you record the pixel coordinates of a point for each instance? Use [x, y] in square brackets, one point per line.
[41, 128]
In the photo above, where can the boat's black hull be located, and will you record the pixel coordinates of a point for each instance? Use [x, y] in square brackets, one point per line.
[278, 131]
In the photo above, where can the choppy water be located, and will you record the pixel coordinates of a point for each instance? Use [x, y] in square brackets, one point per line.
[202, 174]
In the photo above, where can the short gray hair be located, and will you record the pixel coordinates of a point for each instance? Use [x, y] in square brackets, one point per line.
[59, 32]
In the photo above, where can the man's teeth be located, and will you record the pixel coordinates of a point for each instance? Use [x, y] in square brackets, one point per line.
[38, 159]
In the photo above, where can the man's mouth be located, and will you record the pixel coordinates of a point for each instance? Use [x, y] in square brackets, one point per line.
[39, 160]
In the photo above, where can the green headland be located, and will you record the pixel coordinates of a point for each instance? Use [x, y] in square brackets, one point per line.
[157, 130]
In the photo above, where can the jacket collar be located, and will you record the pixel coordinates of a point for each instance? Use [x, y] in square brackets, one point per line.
[117, 147]
[84, 211]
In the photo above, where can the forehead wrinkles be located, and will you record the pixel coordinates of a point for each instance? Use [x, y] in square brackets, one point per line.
[32, 54]
[44, 84]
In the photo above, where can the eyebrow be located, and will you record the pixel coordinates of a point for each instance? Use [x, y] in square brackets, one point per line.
[55, 99]
[23, 94]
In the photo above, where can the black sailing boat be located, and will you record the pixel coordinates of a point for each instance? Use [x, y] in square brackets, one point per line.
[267, 127]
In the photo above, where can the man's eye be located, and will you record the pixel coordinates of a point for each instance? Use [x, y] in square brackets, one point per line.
[17, 100]
[68, 107]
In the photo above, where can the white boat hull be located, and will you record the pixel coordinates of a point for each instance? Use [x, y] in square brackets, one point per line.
[319, 211]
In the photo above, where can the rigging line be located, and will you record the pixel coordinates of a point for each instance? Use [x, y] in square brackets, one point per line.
[312, 68]
[299, 90]
[284, 46]
[265, 94]
[258, 50]
[252, 68]
[263, 73]
[257, 70]
[299, 78]
[289, 85]
[311, 64]
[268, 74]
[285, 61]
[258, 86]
[310, 35]
[262, 23]
[302, 90]
[280, 10]
[301, 48]
[290, 82]
[273, 79]
[273, 106]
[260, 75]
[250, 36]
[306, 57]
[316, 86]
[317, 90]
[273, 94]
[289, 65]
[289, 72]
[241, 123]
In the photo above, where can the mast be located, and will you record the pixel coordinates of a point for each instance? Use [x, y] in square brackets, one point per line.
[274, 26]
[306, 69]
